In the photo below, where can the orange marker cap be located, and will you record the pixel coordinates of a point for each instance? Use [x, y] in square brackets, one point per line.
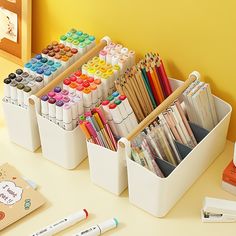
[97, 81]
[73, 85]
[87, 90]
[67, 49]
[93, 87]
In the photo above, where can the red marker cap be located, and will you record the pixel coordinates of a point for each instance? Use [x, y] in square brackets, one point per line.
[90, 79]
[74, 50]
[122, 97]
[80, 87]
[86, 84]
[73, 78]
[79, 81]
[105, 103]
[112, 106]
[66, 81]
[78, 73]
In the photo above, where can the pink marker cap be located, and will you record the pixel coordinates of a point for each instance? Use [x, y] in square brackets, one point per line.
[73, 78]
[65, 99]
[88, 113]
[64, 92]
[80, 87]
[58, 97]
[51, 94]
[103, 53]
[79, 81]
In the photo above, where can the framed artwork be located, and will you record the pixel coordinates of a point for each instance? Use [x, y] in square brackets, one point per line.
[15, 30]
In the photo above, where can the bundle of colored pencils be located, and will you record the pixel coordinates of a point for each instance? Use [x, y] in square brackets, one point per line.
[146, 85]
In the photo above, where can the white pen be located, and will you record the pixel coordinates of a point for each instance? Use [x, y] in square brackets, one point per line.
[67, 117]
[52, 109]
[13, 92]
[44, 106]
[7, 91]
[74, 110]
[59, 112]
[99, 228]
[20, 95]
[62, 224]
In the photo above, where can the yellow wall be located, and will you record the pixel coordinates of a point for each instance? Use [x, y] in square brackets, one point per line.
[188, 34]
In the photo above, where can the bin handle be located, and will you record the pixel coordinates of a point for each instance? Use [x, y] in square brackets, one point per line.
[163, 106]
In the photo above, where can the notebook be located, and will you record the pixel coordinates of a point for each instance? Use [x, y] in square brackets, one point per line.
[17, 197]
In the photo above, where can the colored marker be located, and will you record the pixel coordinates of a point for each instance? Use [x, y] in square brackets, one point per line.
[44, 106]
[20, 95]
[67, 117]
[52, 109]
[62, 224]
[99, 228]
[7, 91]
[59, 113]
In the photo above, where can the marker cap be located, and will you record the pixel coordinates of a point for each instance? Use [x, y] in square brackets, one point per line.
[64, 92]
[43, 98]
[52, 100]
[112, 106]
[56, 49]
[105, 103]
[28, 65]
[66, 81]
[110, 98]
[122, 97]
[90, 79]
[50, 62]
[12, 76]
[49, 47]
[63, 38]
[86, 84]
[38, 57]
[61, 45]
[73, 85]
[40, 71]
[45, 51]
[117, 102]
[39, 79]
[66, 99]
[78, 73]
[57, 89]
[7, 81]
[54, 43]
[18, 79]
[115, 94]
[51, 94]
[74, 50]
[44, 60]
[97, 81]
[87, 90]
[73, 78]
[20, 86]
[19, 71]
[67, 49]
[59, 103]
[80, 87]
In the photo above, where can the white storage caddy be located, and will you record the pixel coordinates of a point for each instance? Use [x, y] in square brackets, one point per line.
[158, 195]
[65, 148]
[146, 190]
[22, 125]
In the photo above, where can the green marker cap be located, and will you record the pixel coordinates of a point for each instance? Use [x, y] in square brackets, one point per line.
[73, 30]
[117, 102]
[110, 98]
[91, 38]
[50, 62]
[76, 42]
[82, 45]
[79, 33]
[69, 34]
[63, 38]
[81, 39]
[85, 36]
[87, 42]
[75, 36]
[82, 117]
[69, 40]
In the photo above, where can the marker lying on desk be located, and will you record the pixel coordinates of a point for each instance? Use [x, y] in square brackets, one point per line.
[62, 224]
[99, 229]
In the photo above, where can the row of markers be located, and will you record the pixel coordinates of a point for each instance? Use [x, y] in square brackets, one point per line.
[107, 123]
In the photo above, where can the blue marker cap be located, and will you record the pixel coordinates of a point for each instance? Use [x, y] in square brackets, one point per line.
[44, 60]
[115, 94]
[91, 38]
[50, 62]
[53, 68]
[59, 103]
[39, 64]
[28, 65]
[33, 61]
[57, 89]
[38, 57]
[45, 67]
[40, 71]
[57, 64]
[47, 73]
[44, 98]
[34, 68]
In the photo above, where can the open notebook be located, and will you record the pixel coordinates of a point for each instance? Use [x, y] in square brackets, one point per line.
[17, 197]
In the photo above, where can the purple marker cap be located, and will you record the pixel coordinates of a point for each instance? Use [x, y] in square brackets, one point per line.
[44, 98]
[59, 103]
[65, 99]
[51, 100]
[51, 94]
[57, 89]
[64, 92]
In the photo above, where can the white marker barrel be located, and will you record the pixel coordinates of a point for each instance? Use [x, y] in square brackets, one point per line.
[7, 91]
[74, 109]
[87, 99]
[26, 93]
[67, 117]
[44, 105]
[52, 109]
[20, 95]
[13, 92]
[59, 113]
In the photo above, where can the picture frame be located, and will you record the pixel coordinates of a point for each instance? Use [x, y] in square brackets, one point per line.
[18, 51]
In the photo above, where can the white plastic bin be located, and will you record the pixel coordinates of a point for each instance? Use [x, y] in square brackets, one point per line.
[22, 125]
[65, 148]
[158, 195]
[108, 168]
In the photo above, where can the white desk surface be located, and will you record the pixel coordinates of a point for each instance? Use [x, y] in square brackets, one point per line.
[69, 191]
